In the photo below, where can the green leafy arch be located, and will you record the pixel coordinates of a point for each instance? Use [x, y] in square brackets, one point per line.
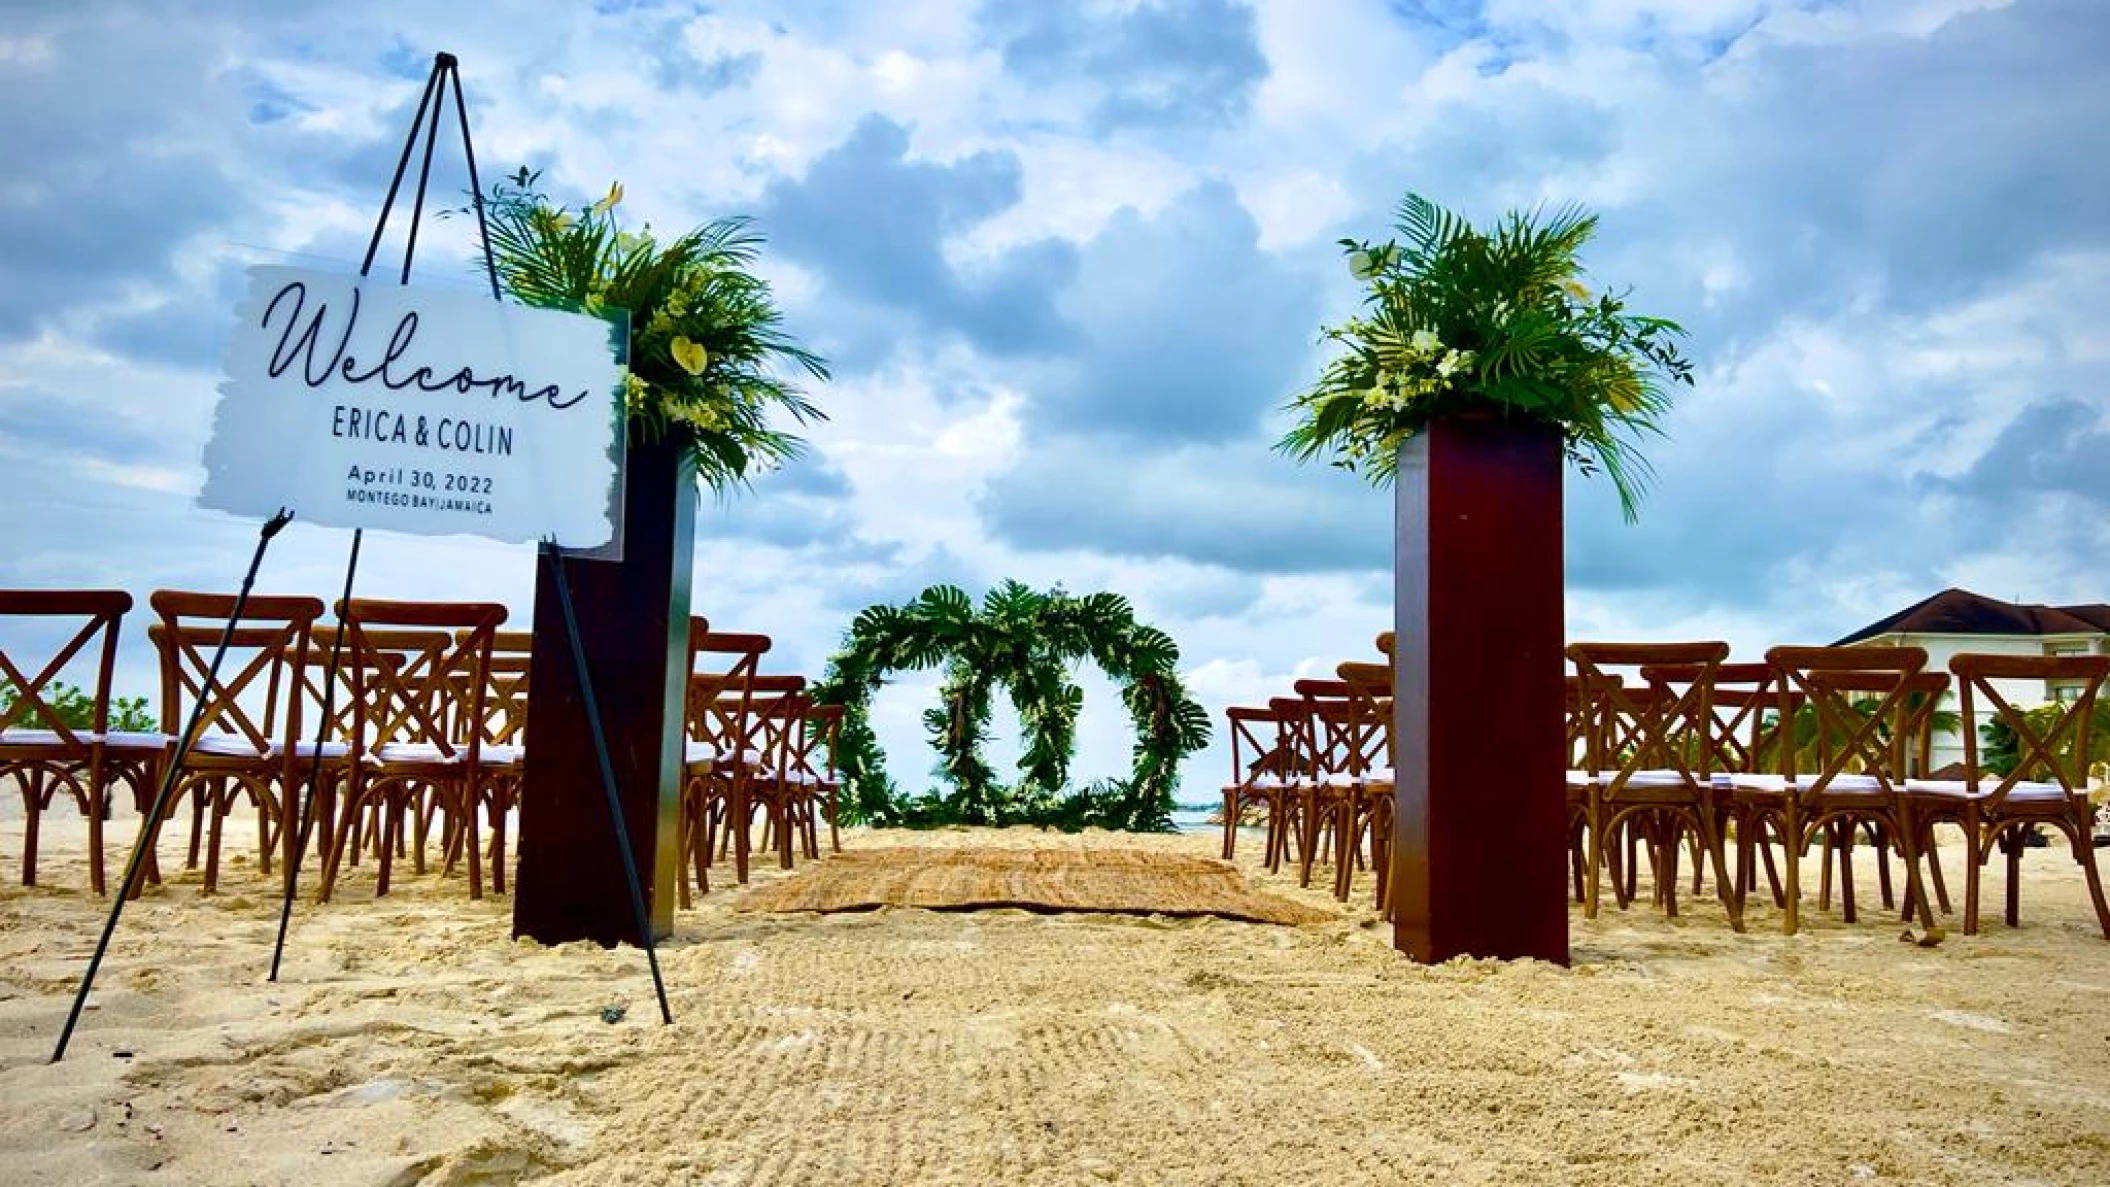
[1020, 641]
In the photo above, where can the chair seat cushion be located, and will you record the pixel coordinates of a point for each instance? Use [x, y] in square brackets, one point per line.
[1842, 784]
[1581, 778]
[230, 746]
[328, 749]
[22, 736]
[1645, 778]
[417, 752]
[2024, 790]
[700, 752]
[501, 754]
[136, 740]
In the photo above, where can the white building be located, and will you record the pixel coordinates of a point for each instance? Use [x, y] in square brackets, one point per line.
[1957, 620]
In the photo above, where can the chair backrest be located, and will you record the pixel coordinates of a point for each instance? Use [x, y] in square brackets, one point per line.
[430, 697]
[722, 672]
[1858, 706]
[1370, 694]
[1656, 725]
[30, 679]
[267, 654]
[1254, 742]
[1744, 712]
[819, 737]
[506, 687]
[1296, 740]
[412, 649]
[2052, 741]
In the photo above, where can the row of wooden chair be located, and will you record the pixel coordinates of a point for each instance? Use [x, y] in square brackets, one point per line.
[1316, 766]
[425, 731]
[1675, 747]
[1746, 766]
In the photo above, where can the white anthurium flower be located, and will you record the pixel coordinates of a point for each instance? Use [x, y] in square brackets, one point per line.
[1424, 342]
[1362, 265]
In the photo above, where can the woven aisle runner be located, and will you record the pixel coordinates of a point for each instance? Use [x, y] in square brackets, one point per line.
[1123, 880]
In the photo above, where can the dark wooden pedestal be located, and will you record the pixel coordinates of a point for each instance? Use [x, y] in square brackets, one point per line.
[1480, 827]
[634, 623]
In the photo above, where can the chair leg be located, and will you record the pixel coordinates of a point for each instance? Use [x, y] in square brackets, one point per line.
[2014, 875]
[2084, 851]
[1230, 822]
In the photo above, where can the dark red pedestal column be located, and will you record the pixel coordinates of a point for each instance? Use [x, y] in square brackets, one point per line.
[634, 623]
[1480, 827]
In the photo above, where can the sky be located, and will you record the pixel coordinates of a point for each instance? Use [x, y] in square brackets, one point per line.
[1069, 261]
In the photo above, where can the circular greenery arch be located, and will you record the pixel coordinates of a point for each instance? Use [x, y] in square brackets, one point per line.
[1022, 641]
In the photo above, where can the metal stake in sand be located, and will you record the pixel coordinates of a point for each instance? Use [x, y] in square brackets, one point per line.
[270, 528]
[600, 751]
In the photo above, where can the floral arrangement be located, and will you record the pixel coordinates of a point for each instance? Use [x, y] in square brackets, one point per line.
[1459, 320]
[706, 343]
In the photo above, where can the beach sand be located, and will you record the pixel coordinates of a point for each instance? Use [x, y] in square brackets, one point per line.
[411, 1041]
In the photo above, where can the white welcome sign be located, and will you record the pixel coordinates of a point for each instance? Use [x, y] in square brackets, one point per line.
[372, 405]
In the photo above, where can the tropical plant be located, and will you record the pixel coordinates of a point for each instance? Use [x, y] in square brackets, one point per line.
[2001, 750]
[75, 709]
[1460, 320]
[707, 347]
[1023, 641]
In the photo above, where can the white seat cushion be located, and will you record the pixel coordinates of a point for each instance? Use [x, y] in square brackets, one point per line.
[1753, 781]
[1581, 778]
[230, 746]
[696, 753]
[136, 740]
[329, 749]
[32, 737]
[2025, 790]
[500, 754]
[1339, 780]
[416, 752]
[1645, 778]
[1267, 782]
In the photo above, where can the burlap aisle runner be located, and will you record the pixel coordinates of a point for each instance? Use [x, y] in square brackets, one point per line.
[1124, 880]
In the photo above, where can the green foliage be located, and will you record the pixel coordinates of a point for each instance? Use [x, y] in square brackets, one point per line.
[76, 709]
[706, 342]
[2000, 750]
[1022, 641]
[1461, 320]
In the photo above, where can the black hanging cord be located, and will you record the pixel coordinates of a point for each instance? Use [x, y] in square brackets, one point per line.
[152, 821]
[600, 750]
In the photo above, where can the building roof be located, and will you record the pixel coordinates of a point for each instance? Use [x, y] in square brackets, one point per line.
[2098, 614]
[1961, 612]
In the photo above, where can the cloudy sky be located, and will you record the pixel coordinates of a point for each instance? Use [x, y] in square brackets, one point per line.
[1069, 260]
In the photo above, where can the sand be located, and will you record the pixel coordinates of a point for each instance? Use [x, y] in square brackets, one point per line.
[411, 1041]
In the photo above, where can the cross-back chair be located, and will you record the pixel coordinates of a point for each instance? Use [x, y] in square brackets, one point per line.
[2048, 784]
[1846, 715]
[248, 741]
[1646, 769]
[1258, 777]
[38, 748]
[715, 772]
[415, 744]
[1370, 698]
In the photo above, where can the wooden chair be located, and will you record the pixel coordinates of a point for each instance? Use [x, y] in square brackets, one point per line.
[819, 735]
[776, 714]
[414, 737]
[2048, 785]
[1370, 696]
[38, 748]
[1858, 702]
[1644, 769]
[1257, 778]
[249, 741]
[504, 727]
[715, 773]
